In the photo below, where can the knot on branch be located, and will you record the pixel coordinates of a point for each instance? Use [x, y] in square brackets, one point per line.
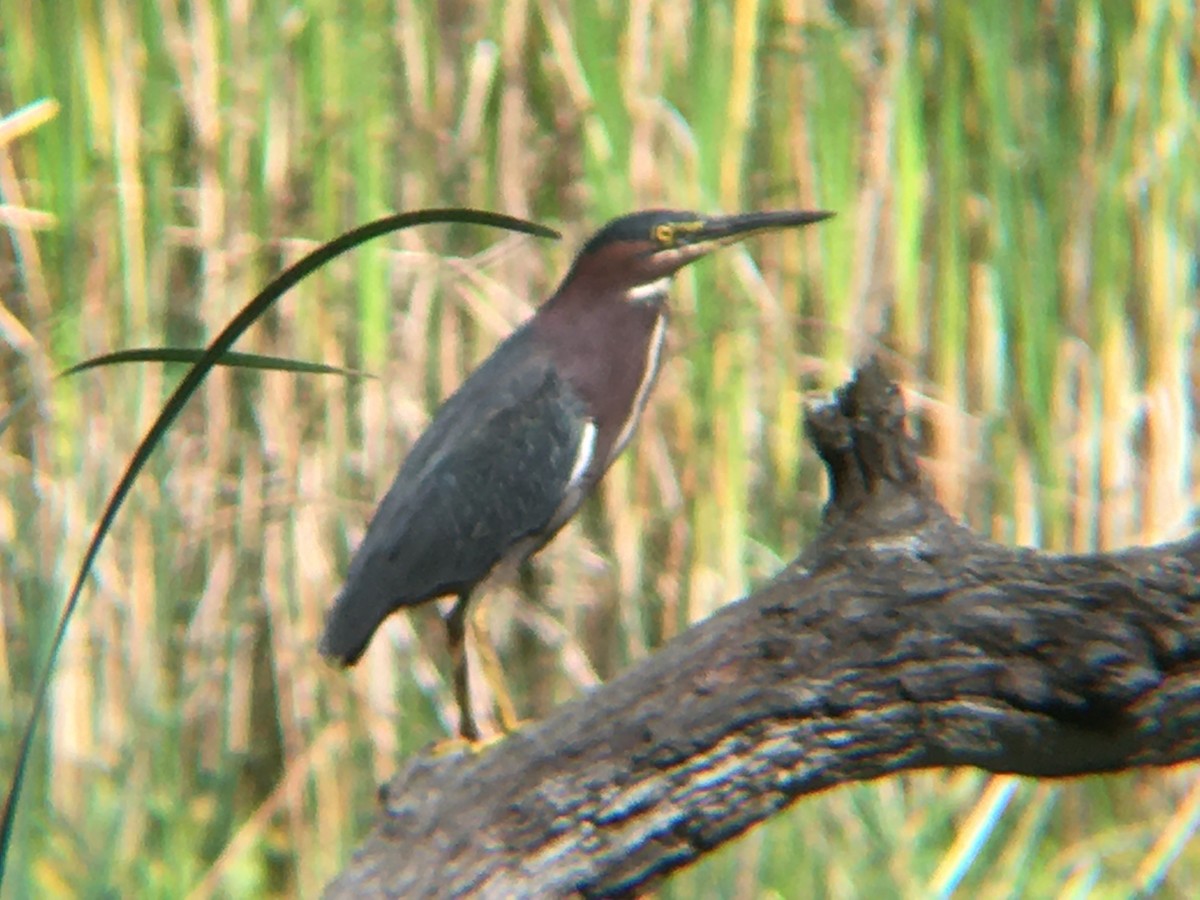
[877, 494]
[860, 436]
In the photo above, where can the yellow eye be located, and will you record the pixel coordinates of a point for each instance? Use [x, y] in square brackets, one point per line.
[664, 234]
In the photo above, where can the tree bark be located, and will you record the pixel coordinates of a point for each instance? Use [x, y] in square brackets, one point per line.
[899, 640]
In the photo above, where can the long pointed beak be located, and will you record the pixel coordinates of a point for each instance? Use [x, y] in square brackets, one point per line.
[721, 230]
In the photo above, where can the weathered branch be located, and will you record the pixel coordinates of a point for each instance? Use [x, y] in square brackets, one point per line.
[899, 640]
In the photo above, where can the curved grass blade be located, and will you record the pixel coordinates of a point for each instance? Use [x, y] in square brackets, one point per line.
[248, 315]
[188, 355]
[194, 355]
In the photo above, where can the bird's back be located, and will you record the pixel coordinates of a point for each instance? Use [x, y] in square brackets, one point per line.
[488, 477]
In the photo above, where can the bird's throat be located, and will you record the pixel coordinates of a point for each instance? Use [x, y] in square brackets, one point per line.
[648, 293]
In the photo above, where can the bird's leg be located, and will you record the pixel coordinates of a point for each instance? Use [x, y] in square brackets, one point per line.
[456, 633]
[494, 673]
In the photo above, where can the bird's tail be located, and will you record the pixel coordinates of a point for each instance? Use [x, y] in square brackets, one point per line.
[348, 629]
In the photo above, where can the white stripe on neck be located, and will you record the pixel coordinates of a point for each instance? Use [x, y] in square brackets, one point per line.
[653, 351]
[640, 293]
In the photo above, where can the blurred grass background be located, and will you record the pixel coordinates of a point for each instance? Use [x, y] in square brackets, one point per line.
[1017, 189]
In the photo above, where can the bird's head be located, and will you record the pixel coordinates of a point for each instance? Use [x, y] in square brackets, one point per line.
[631, 258]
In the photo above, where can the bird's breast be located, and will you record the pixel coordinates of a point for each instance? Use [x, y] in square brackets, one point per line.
[610, 357]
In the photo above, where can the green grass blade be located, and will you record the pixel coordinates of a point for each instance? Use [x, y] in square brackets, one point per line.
[195, 355]
[190, 355]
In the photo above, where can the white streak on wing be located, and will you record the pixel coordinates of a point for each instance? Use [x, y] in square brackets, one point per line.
[572, 494]
[653, 354]
[587, 449]
[650, 291]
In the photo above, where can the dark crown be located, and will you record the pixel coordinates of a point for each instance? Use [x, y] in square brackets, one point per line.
[638, 226]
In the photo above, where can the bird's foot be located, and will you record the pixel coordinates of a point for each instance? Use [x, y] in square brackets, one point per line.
[459, 745]
[451, 746]
[510, 725]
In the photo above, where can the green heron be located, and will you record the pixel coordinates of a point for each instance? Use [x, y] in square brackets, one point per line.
[509, 457]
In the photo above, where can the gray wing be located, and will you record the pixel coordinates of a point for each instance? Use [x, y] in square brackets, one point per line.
[488, 476]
